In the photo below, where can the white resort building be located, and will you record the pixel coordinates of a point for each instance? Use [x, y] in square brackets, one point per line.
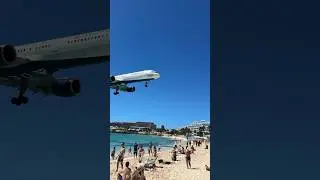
[195, 125]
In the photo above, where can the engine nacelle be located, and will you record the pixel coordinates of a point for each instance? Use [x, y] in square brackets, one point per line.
[131, 89]
[8, 54]
[127, 89]
[66, 88]
[112, 78]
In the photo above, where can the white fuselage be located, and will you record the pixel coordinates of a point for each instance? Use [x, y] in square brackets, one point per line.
[93, 44]
[140, 75]
[81, 46]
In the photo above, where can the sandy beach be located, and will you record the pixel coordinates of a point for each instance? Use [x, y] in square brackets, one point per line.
[175, 171]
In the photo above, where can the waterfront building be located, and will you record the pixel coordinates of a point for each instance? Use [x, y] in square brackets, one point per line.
[195, 125]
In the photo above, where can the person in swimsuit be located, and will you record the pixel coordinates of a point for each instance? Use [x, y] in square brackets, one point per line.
[135, 150]
[150, 147]
[121, 156]
[113, 152]
[188, 158]
[192, 149]
[149, 150]
[174, 154]
[129, 150]
[142, 177]
[125, 174]
[154, 151]
[141, 152]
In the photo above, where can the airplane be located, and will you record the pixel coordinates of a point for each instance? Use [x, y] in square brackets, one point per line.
[120, 82]
[32, 66]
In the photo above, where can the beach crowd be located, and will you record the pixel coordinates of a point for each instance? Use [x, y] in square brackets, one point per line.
[149, 162]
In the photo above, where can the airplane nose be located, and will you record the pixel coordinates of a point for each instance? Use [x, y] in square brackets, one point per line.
[157, 75]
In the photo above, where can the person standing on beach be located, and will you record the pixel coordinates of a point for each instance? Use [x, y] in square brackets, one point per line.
[155, 151]
[113, 152]
[150, 147]
[121, 156]
[129, 150]
[149, 150]
[188, 158]
[135, 150]
[174, 154]
[141, 152]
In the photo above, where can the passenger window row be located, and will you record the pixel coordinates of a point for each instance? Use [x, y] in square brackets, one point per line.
[84, 39]
[68, 42]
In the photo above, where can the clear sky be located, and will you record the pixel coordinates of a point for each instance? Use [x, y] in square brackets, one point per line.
[55, 138]
[171, 37]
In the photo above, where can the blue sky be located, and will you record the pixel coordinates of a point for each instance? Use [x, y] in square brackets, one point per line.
[45, 138]
[171, 37]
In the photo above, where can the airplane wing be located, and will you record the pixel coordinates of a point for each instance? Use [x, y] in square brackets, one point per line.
[122, 87]
[10, 82]
[117, 82]
[117, 85]
[14, 82]
[27, 66]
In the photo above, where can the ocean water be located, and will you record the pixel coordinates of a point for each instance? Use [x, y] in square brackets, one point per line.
[129, 139]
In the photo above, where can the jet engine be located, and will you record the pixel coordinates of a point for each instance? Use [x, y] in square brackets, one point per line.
[8, 54]
[66, 88]
[112, 78]
[127, 89]
[131, 89]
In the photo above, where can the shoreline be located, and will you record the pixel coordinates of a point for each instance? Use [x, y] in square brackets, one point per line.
[174, 140]
[176, 170]
[162, 150]
[180, 137]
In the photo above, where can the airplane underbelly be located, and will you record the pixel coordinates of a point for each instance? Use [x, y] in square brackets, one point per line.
[137, 78]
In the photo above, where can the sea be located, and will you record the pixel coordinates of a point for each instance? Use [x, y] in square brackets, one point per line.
[129, 139]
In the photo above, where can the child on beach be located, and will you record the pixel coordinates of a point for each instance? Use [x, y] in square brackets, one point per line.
[113, 152]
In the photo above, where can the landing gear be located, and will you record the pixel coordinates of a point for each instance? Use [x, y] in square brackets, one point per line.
[22, 89]
[146, 84]
[116, 92]
[19, 100]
